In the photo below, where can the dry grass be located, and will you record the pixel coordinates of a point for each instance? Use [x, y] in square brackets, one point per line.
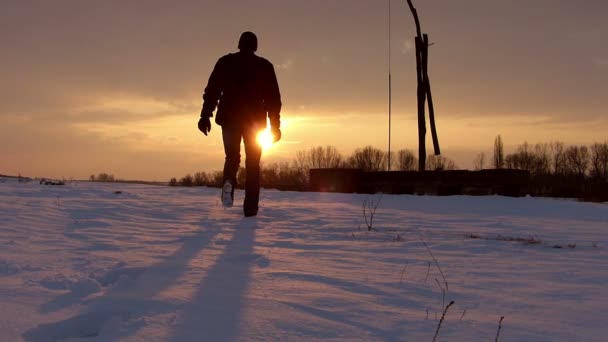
[499, 328]
[445, 311]
[531, 240]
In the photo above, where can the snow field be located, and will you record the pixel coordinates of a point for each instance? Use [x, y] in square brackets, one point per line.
[82, 262]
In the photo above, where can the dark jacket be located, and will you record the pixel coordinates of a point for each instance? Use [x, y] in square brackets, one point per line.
[247, 90]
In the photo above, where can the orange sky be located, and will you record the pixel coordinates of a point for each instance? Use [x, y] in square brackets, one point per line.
[115, 86]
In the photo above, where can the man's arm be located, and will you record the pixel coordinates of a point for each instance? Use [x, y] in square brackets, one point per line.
[273, 99]
[213, 91]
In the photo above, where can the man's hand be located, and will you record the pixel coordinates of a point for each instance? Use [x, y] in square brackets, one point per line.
[276, 134]
[204, 125]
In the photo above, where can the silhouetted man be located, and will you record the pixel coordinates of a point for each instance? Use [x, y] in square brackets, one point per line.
[247, 90]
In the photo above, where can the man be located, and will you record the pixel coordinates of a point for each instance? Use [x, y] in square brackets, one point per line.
[247, 90]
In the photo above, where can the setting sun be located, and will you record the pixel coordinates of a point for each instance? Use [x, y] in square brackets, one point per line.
[265, 139]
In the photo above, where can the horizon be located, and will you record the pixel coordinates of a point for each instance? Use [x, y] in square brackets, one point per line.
[116, 88]
[486, 164]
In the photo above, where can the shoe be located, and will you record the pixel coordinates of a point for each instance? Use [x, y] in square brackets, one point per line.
[250, 213]
[227, 194]
[250, 204]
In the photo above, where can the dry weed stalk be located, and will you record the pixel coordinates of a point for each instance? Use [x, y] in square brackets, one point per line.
[499, 327]
[403, 272]
[371, 206]
[437, 264]
[445, 311]
[442, 292]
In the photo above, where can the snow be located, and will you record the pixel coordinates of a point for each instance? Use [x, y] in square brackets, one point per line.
[82, 262]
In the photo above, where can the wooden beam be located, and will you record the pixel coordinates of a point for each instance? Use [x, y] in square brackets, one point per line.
[415, 13]
[427, 84]
[423, 92]
[421, 99]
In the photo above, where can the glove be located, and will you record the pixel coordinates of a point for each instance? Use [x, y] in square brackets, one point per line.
[276, 134]
[204, 125]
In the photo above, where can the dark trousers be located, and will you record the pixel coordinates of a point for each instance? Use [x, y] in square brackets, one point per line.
[232, 136]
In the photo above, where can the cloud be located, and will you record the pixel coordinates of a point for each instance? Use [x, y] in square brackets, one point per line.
[288, 64]
[148, 151]
[407, 47]
[125, 109]
[601, 62]
[108, 109]
[326, 59]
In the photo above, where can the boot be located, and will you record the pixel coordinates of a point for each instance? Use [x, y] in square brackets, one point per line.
[227, 194]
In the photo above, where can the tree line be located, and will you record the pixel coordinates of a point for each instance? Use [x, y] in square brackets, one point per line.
[555, 158]
[294, 174]
[548, 163]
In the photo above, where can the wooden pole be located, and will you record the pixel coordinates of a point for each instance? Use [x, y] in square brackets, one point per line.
[415, 13]
[421, 96]
[429, 97]
[390, 87]
[423, 92]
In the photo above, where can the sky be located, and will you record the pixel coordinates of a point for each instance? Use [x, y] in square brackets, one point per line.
[115, 86]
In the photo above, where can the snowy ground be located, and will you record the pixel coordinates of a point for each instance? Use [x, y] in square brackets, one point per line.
[83, 262]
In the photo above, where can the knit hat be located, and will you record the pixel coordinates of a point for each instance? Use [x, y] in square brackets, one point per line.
[248, 42]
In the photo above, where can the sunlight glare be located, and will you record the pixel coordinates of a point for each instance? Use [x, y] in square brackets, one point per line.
[265, 139]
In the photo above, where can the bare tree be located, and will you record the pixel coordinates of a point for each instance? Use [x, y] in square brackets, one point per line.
[577, 159]
[301, 167]
[216, 179]
[269, 174]
[526, 155]
[599, 161]
[105, 177]
[316, 158]
[542, 159]
[558, 158]
[368, 159]
[187, 180]
[324, 157]
[499, 153]
[511, 161]
[522, 159]
[406, 160]
[479, 161]
[200, 179]
[289, 175]
[320, 157]
[436, 163]
[369, 208]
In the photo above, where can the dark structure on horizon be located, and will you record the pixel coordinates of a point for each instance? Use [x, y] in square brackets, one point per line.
[505, 182]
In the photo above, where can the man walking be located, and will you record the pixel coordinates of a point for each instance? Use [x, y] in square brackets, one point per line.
[246, 87]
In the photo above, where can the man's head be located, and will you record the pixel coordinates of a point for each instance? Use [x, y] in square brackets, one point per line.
[248, 42]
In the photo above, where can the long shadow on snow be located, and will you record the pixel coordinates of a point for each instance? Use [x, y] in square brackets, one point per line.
[128, 299]
[215, 312]
[346, 319]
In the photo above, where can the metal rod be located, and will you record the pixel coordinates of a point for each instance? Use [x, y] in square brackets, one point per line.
[390, 90]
